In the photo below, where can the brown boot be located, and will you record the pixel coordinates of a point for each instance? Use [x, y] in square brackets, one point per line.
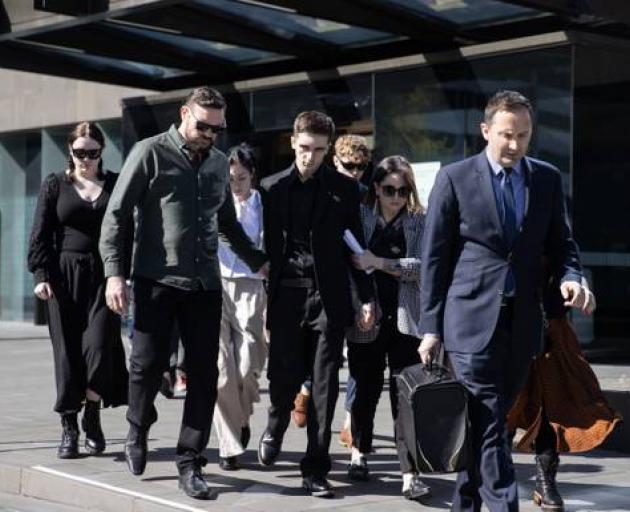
[300, 406]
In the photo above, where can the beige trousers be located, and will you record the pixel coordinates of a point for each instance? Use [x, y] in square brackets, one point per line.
[242, 354]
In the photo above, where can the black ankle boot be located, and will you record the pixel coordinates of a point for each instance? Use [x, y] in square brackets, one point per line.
[546, 494]
[91, 424]
[69, 447]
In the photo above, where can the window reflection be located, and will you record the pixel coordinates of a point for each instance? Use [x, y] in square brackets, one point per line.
[433, 113]
[468, 13]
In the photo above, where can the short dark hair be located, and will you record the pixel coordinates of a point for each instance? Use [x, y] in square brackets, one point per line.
[314, 122]
[205, 97]
[243, 154]
[89, 130]
[395, 164]
[508, 101]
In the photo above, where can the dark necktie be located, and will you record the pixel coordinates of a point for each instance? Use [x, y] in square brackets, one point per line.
[509, 221]
[509, 205]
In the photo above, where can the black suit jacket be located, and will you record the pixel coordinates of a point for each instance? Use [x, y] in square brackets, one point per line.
[336, 209]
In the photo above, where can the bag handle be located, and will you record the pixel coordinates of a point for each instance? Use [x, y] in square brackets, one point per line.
[439, 362]
[437, 370]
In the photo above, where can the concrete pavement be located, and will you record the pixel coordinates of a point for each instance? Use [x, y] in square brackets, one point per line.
[29, 433]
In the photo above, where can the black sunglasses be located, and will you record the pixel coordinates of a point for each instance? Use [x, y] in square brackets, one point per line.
[348, 166]
[205, 127]
[391, 191]
[81, 154]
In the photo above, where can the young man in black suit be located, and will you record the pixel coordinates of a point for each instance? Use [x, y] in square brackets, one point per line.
[306, 209]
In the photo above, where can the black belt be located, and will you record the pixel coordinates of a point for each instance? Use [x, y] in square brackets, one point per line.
[297, 282]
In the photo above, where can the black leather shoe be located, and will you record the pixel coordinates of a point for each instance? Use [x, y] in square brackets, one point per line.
[317, 487]
[229, 463]
[91, 424]
[69, 446]
[246, 435]
[191, 481]
[136, 449]
[359, 471]
[268, 449]
[416, 490]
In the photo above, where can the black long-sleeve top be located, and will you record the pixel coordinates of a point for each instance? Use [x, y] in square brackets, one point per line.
[64, 221]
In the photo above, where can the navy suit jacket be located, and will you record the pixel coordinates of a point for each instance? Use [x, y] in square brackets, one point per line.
[465, 256]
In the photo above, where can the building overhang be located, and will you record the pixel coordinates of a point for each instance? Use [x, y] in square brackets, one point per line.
[173, 44]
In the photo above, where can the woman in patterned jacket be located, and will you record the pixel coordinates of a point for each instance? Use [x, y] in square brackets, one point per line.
[393, 222]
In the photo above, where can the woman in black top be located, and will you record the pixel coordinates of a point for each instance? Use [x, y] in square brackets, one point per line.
[68, 274]
[393, 223]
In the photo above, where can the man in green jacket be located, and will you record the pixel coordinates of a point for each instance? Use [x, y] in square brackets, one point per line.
[176, 185]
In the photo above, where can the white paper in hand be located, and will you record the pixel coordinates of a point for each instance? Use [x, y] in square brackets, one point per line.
[354, 245]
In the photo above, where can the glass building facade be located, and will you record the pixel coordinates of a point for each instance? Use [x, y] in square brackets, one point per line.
[430, 113]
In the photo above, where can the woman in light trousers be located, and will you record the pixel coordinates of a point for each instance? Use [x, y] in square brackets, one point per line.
[242, 342]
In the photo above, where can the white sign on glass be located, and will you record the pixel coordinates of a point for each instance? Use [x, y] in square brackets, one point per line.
[424, 173]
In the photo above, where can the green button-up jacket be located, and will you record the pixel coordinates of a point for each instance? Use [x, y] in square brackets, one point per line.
[180, 209]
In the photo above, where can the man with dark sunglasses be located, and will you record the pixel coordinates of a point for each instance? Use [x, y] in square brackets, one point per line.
[176, 185]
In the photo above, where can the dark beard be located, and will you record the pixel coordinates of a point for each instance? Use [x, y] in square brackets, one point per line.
[201, 147]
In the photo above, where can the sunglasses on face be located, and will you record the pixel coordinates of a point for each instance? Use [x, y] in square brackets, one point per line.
[391, 191]
[349, 166]
[200, 126]
[81, 154]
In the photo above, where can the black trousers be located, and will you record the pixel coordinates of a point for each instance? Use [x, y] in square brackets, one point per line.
[198, 315]
[303, 343]
[87, 347]
[546, 440]
[367, 362]
[494, 378]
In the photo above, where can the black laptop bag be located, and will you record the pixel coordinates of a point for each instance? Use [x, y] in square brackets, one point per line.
[433, 416]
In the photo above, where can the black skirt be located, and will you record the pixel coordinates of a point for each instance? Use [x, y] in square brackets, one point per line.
[85, 334]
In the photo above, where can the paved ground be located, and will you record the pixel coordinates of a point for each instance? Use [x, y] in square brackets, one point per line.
[29, 433]
[16, 503]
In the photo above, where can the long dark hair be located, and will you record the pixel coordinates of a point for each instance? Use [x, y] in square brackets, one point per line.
[244, 154]
[85, 129]
[395, 164]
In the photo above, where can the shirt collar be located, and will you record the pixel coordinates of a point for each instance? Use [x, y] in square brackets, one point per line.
[253, 201]
[295, 175]
[497, 167]
[179, 141]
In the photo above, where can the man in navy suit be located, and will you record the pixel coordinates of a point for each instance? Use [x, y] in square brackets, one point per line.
[491, 219]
